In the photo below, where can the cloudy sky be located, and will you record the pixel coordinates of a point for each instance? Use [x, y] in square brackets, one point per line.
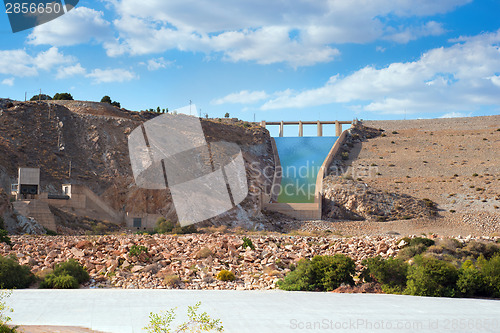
[268, 59]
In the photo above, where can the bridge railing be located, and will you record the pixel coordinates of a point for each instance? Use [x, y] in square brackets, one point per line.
[338, 125]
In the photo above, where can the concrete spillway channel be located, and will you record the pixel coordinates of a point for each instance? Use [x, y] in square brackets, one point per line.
[303, 162]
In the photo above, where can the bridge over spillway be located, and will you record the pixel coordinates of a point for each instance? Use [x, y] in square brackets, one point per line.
[301, 163]
[319, 124]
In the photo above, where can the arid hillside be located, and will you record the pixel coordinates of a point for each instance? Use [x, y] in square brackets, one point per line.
[450, 164]
[92, 138]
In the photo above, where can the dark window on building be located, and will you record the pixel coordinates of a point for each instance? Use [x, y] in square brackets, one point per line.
[137, 222]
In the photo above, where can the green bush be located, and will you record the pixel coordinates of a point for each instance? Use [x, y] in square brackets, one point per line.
[163, 226]
[471, 281]
[322, 273]
[4, 317]
[4, 237]
[491, 271]
[52, 281]
[391, 273]
[72, 268]
[63, 96]
[160, 323]
[409, 252]
[66, 275]
[189, 229]
[431, 277]
[247, 242]
[136, 250]
[225, 275]
[13, 275]
[476, 249]
[421, 240]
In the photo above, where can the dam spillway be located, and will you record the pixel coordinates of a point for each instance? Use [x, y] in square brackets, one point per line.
[301, 159]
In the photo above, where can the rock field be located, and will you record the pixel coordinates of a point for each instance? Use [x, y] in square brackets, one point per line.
[191, 261]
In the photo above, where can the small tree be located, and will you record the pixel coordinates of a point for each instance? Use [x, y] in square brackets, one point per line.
[63, 97]
[106, 99]
[163, 225]
[226, 115]
[158, 109]
[41, 97]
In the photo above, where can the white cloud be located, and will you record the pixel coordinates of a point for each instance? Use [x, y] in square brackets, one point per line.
[156, 64]
[242, 97]
[455, 115]
[461, 77]
[298, 32]
[431, 28]
[21, 64]
[111, 75]
[80, 25]
[9, 81]
[69, 71]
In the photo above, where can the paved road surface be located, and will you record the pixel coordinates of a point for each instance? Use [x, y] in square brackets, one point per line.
[125, 311]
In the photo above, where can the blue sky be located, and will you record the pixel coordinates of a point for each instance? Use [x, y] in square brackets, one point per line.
[272, 60]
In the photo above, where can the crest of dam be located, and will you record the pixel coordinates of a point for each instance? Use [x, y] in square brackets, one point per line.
[301, 159]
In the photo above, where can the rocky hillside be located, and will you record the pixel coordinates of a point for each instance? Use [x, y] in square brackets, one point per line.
[92, 138]
[429, 175]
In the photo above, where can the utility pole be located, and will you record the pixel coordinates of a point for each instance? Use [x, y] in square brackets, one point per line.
[25, 95]
[190, 102]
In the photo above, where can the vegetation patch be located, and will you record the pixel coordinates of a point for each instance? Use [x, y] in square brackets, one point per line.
[322, 273]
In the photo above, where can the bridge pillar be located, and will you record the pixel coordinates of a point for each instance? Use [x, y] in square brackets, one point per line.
[338, 128]
[320, 129]
[263, 123]
[281, 129]
[301, 128]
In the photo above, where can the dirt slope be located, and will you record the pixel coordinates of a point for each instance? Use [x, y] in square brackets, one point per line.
[454, 163]
[93, 138]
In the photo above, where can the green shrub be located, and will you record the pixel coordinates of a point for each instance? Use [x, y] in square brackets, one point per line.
[322, 273]
[409, 252]
[4, 317]
[203, 253]
[13, 275]
[66, 275]
[491, 271]
[391, 273]
[189, 229]
[171, 280]
[4, 237]
[72, 268]
[476, 249]
[247, 242]
[136, 250]
[52, 281]
[344, 155]
[160, 323]
[421, 240]
[471, 281]
[163, 226]
[225, 275]
[431, 277]
[50, 232]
